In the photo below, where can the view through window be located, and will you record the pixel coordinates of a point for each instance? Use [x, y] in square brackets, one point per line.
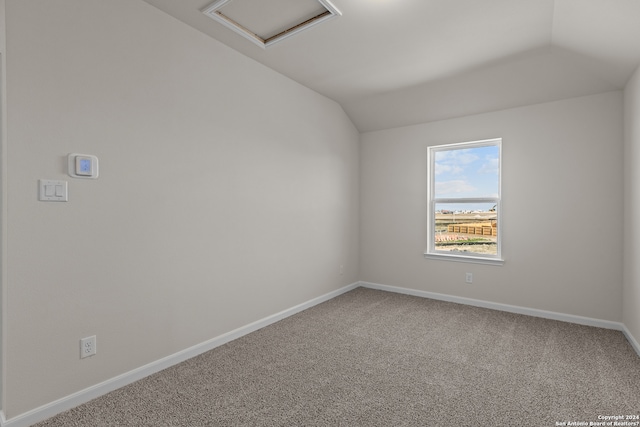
[464, 199]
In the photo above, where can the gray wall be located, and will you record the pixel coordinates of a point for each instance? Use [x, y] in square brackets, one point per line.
[227, 193]
[562, 207]
[3, 195]
[631, 292]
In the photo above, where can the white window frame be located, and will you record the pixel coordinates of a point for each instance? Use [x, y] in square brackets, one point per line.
[432, 252]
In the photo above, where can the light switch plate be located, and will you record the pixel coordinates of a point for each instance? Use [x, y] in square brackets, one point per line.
[52, 191]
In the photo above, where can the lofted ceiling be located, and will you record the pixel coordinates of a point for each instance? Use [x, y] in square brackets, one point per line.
[392, 63]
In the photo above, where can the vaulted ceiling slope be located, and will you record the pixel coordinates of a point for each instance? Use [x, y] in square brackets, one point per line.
[392, 63]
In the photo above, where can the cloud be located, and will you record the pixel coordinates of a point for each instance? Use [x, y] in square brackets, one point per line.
[491, 166]
[453, 187]
[453, 161]
[456, 157]
[444, 168]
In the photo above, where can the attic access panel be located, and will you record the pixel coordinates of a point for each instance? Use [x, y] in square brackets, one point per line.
[266, 22]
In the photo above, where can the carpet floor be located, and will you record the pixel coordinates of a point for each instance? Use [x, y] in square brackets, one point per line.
[374, 358]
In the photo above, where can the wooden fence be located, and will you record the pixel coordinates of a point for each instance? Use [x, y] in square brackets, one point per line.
[485, 229]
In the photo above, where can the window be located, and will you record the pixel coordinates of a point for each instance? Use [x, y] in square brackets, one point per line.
[464, 214]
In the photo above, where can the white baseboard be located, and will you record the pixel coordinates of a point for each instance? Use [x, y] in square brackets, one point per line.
[631, 339]
[588, 321]
[83, 396]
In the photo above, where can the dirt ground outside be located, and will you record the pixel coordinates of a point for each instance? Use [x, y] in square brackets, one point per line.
[487, 249]
[462, 242]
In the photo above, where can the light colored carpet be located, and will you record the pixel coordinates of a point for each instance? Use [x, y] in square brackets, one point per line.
[373, 358]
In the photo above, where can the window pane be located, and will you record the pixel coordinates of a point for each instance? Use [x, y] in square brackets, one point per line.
[467, 172]
[471, 228]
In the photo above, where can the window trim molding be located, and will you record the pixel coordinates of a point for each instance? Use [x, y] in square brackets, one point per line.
[431, 252]
[464, 258]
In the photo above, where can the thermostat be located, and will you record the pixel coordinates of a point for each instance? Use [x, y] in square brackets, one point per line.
[83, 166]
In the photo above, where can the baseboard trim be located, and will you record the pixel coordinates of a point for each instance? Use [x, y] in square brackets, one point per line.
[90, 393]
[588, 321]
[631, 339]
[83, 396]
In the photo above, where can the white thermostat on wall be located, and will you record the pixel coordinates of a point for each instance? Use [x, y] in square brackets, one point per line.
[83, 166]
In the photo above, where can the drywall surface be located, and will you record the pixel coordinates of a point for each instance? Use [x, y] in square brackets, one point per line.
[562, 207]
[227, 193]
[3, 201]
[631, 290]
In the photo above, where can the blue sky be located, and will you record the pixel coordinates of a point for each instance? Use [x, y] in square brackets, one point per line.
[467, 172]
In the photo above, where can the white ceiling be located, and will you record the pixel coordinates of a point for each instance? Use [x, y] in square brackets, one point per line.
[391, 63]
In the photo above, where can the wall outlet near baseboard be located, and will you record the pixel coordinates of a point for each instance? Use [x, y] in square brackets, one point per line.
[87, 347]
[469, 278]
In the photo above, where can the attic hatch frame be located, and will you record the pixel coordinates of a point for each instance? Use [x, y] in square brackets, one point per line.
[213, 11]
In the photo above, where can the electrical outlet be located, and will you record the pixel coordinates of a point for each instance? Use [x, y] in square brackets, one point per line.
[469, 278]
[87, 347]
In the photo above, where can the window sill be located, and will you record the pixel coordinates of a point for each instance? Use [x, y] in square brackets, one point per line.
[465, 258]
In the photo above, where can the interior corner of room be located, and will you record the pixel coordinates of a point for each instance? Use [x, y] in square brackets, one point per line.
[240, 184]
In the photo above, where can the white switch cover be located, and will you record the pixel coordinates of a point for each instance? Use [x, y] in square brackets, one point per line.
[53, 191]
